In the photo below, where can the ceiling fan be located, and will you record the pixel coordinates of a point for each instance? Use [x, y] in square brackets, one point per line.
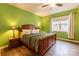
[56, 4]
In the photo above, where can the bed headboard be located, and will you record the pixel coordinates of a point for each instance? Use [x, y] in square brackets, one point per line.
[28, 26]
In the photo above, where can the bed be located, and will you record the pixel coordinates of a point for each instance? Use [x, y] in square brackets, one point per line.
[38, 42]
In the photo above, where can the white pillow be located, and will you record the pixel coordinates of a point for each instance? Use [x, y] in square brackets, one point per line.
[35, 30]
[26, 31]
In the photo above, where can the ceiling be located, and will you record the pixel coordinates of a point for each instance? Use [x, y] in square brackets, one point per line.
[44, 11]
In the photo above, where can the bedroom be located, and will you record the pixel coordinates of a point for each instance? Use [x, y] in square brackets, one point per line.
[60, 19]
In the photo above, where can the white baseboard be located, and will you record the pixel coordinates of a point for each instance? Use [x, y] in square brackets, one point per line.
[74, 41]
[4, 47]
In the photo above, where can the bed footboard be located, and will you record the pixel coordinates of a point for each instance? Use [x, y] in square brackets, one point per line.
[46, 43]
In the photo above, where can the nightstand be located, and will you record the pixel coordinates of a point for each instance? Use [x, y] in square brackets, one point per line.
[14, 42]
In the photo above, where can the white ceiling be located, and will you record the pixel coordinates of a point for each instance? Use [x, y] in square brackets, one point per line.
[44, 11]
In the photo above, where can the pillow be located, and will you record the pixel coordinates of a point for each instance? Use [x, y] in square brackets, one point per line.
[35, 31]
[24, 31]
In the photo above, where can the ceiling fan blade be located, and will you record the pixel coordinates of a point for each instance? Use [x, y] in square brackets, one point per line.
[45, 5]
[59, 4]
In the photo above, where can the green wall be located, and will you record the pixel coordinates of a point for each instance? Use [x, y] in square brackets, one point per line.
[76, 22]
[10, 15]
[45, 24]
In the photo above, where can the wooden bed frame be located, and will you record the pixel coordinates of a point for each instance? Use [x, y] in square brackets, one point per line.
[44, 44]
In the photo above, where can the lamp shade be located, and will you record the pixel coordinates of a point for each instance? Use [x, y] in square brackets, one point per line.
[13, 27]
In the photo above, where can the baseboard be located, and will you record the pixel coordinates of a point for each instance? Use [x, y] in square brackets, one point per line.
[4, 47]
[74, 41]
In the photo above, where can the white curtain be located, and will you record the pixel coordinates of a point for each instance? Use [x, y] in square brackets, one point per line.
[71, 31]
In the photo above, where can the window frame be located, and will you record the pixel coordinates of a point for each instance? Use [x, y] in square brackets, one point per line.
[60, 19]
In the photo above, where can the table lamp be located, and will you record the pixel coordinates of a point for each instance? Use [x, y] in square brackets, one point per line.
[13, 28]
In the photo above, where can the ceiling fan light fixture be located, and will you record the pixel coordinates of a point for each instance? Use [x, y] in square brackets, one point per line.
[53, 5]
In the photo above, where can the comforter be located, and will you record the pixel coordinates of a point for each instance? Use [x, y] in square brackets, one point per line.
[33, 39]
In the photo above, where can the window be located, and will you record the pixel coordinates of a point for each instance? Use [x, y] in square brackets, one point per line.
[55, 25]
[63, 24]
